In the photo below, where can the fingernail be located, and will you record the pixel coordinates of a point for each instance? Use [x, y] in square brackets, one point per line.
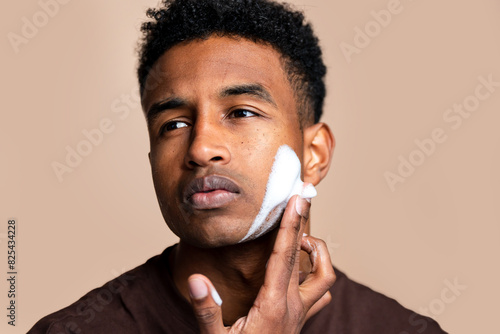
[198, 289]
[300, 205]
[304, 234]
[216, 297]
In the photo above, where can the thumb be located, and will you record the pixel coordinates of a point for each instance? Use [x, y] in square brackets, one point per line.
[206, 304]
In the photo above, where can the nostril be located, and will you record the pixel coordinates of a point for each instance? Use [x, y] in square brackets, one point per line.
[194, 164]
[216, 158]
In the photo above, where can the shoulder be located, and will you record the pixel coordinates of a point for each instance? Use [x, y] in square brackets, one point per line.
[106, 308]
[355, 308]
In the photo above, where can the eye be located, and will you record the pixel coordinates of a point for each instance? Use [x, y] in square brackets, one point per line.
[173, 125]
[241, 113]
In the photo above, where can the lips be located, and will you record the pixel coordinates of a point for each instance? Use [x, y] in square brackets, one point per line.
[210, 192]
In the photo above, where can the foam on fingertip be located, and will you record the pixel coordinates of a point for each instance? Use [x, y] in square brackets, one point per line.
[309, 191]
[216, 297]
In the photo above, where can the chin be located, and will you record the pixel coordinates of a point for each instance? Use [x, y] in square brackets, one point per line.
[210, 243]
[220, 234]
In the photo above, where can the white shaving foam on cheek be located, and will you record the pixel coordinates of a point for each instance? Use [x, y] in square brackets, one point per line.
[283, 183]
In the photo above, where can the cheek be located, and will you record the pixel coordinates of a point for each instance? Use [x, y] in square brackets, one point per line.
[251, 158]
[165, 167]
[168, 156]
[164, 172]
[283, 182]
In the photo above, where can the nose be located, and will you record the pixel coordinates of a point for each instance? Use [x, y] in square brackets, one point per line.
[208, 146]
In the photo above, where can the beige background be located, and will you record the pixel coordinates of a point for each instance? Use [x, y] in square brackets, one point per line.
[441, 224]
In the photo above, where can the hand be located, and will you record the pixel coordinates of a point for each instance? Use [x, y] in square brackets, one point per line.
[282, 305]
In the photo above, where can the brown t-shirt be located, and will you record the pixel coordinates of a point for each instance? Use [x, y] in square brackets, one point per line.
[145, 300]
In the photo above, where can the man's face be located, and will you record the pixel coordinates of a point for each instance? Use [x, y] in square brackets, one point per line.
[217, 111]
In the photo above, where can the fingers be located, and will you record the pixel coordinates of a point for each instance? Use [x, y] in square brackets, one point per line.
[304, 266]
[206, 304]
[318, 306]
[282, 261]
[296, 277]
[322, 275]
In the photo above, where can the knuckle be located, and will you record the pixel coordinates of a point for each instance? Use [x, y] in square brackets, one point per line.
[321, 244]
[328, 297]
[289, 256]
[317, 243]
[330, 277]
[296, 226]
[206, 315]
[322, 247]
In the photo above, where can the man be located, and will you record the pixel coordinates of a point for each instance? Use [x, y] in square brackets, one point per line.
[233, 92]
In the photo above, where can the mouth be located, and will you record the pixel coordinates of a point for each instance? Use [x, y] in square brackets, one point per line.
[210, 192]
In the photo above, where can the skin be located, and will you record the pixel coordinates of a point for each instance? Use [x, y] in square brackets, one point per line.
[200, 125]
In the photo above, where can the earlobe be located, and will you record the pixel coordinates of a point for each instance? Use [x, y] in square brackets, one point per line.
[319, 144]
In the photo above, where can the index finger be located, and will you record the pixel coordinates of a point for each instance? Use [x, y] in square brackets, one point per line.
[282, 260]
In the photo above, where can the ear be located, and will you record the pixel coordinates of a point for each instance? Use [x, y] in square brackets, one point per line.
[319, 144]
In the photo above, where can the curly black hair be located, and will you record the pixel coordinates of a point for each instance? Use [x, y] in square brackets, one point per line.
[264, 21]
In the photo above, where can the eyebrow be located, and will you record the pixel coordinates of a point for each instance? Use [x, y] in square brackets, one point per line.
[255, 90]
[159, 107]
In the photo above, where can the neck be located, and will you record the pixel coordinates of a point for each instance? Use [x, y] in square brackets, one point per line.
[236, 271]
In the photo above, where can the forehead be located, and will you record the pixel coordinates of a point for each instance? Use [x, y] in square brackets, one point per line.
[203, 67]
